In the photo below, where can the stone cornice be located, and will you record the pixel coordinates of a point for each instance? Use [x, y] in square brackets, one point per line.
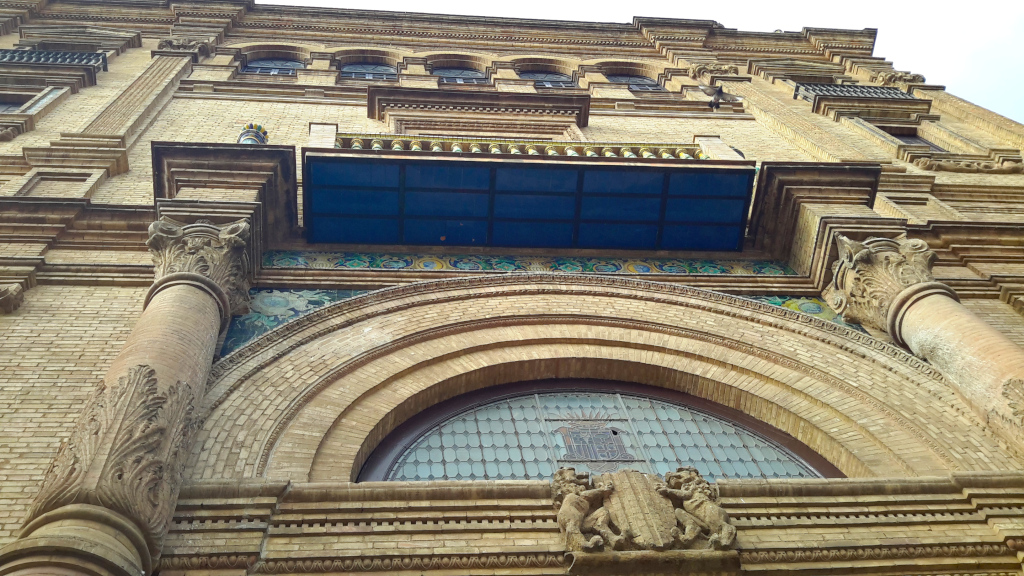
[380, 98]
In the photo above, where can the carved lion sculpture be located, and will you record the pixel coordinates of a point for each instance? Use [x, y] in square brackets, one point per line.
[696, 508]
[581, 512]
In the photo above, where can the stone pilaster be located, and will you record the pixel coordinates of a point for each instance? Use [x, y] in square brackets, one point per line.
[887, 285]
[107, 499]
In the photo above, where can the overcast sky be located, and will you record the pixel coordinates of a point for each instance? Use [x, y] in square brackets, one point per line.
[973, 48]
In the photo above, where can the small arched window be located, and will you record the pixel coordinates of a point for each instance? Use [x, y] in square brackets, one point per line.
[549, 79]
[636, 83]
[274, 66]
[369, 71]
[460, 76]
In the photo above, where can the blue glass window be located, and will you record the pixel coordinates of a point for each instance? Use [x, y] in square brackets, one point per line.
[369, 71]
[636, 83]
[273, 66]
[529, 436]
[460, 76]
[549, 79]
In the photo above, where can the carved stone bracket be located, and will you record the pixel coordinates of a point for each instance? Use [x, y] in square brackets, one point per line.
[897, 78]
[11, 297]
[632, 520]
[708, 73]
[875, 281]
[205, 255]
[196, 47]
[970, 166]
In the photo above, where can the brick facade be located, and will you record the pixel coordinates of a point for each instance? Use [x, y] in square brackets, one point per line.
[123, 188]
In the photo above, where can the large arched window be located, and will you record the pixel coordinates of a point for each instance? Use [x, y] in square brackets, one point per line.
[369, 71]
[549, 79]
[636, 83]
[273, 66]
[527, 431]
[460, 76]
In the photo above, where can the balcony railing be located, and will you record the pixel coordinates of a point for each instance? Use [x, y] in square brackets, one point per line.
[810, 91]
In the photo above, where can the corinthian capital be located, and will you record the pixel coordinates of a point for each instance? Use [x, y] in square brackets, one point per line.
[873, 280]
[214, 256]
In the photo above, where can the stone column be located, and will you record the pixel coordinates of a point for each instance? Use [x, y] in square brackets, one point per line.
[887, 285]
[109, 494]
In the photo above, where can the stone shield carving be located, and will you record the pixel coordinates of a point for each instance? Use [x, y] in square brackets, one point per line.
[632, 511]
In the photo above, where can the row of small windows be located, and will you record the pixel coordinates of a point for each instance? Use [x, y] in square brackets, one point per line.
[369, 71]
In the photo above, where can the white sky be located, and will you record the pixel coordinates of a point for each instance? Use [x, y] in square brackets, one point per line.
[974, 48]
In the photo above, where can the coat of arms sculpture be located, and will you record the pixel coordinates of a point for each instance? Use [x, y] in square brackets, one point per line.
[623, 513]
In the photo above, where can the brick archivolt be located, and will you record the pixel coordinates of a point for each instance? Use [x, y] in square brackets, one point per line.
[313, 398]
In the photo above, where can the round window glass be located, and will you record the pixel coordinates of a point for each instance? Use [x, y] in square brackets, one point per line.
[529, 436]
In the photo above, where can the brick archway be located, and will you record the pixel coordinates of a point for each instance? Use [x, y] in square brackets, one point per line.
[312, 399]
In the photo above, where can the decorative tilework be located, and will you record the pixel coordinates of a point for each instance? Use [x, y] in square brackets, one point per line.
[272, 308]
[529, 437]
[808, 305]
[379, 261]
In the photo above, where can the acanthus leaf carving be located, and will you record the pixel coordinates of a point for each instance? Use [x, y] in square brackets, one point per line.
[138, 437]
[869, 275]
[1013, 391]
[215, 252]
[629, 510]
[143, 470]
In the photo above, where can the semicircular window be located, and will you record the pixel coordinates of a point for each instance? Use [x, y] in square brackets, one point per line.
[636, 83]
[527, 436]
[369, 71]
[460, 76]
[548, 79]
[273, 66]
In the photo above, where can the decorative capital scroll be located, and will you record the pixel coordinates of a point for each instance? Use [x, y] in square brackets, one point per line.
[704, 72]
[626, 511]
[876, 280]
[201, 47]
[897, 78]
[212, 256]
[126, 453]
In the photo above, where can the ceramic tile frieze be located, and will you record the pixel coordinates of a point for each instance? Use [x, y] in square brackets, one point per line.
[486, 263]
[271, 308]
[807, 305]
